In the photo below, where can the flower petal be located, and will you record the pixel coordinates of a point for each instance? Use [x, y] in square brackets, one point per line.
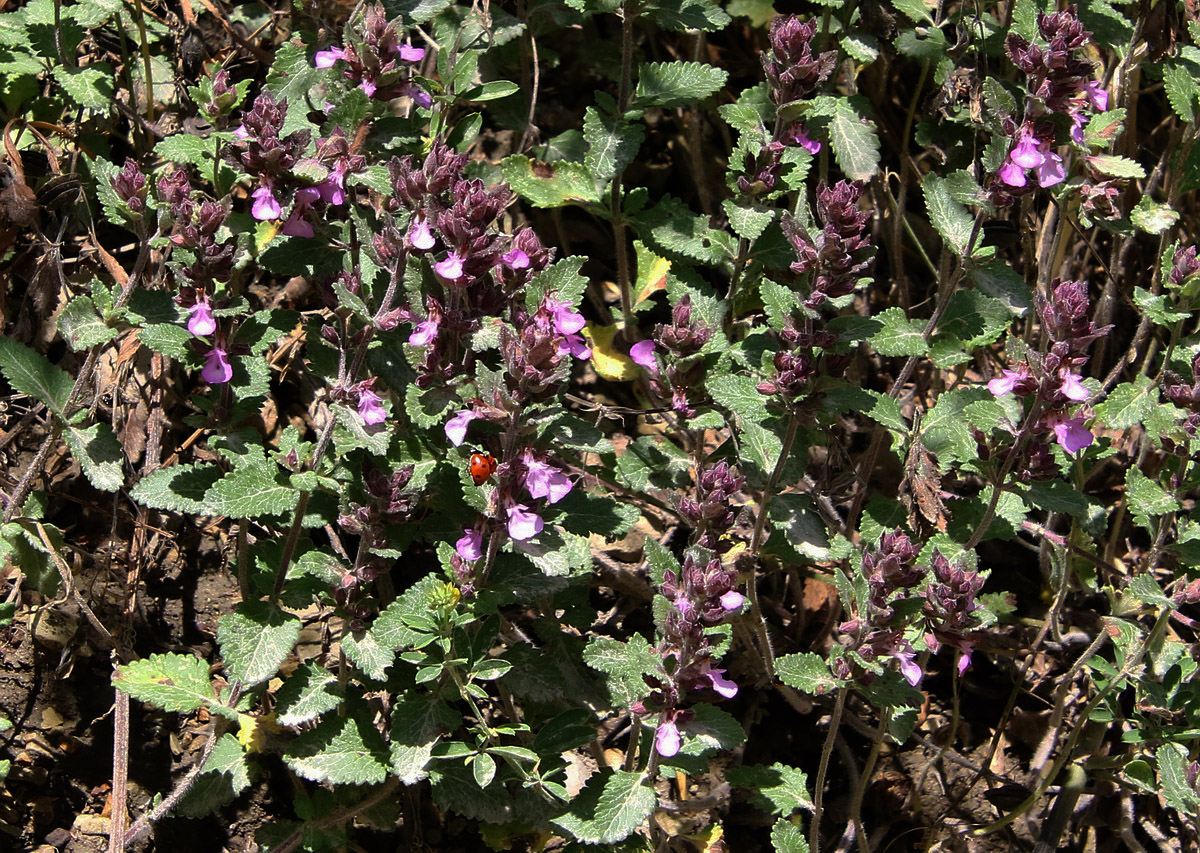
[470, 546]
[456, 427]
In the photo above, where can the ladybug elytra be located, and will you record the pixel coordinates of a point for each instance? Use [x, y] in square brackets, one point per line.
[483, 465]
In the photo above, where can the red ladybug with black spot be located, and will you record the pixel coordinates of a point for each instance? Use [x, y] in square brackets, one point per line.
[483, 465]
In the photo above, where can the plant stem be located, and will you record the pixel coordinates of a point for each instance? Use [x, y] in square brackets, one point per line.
[835, 722]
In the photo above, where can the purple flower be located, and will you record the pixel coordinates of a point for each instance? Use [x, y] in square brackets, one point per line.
[1027, 153]
[265, 207]
[575, 345]
[733, 600]
[908, 667]
[456, 427]
[419, 96]
[423, 336]
[326, 58]
[666, 738]
[333, 189]
[368, 87]
[1007, 381]
[217, 369]
[721, 684]
[370, 407]
[1051, 171]
[515, 259]
[451, 268]
[1077, 124]
[240, 132]
[523, 523]
[470, 546]
[419, 234]
[296, 225]
[964, 659]
[200, 319]
[410, 54]
[810, 145]
[1097, 95]
[567, 321]
[547, 481]
[1070, 433]
[1012, 174]
[1073, 389]
[642, 353]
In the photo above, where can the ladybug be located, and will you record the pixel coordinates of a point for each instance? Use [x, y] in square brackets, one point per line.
[483, 465]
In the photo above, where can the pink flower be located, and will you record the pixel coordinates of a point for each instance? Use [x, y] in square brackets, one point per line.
[575, 345]
[523, 523]
[964, 659]
[721, 684]
[1070, 433]
[733, 600]
[456, 427]
[810, 145]
[470, 546]
[515, 259]
[240, 132]
[642, 353]
[296, 225]
[1027, 153]
[1097, 95]
[419, 234]
[326, 58]
[451, 268]
[265, 206]
[333, 188]
[547, 481]
[368, 87]
[908, 667]
[666, 738]
[1077, 124]
[410, 54]
[200, 319]
[1073, 389]
[1011, 174]
[1051, 171]
[217, 369]
[425, 333]
[1005, 382]
[370, 407]
[567, 321]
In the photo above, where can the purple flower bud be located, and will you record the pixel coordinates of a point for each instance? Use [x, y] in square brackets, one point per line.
[470, 546]
[456, 427]
[523, 523]
[217, 369]
[908, 666]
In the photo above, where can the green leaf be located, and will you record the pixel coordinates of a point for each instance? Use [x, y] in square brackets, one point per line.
[673, 230]
[1128, 404]
[178, 683]
[90, 86]
[972, 320]
[612, 143]
[186, 148]
[251, 491]
[807, 672]
[1172, 761]
[418, 722]
[550, 184]
[624, 664]
[675, 84]
[226, 774]
[915, 10]
[1182, 90]
[711, 730]
[610, 808]
[1152, 217]
[255, 639]
[795, 520]
[307, 693]
[1147, 499]
[684, 15]
[899, 335]
[99, 454]
[788, 837]
[779, 789]
[170, 340]
[180, 488]
[81, 326]
[30, 372]
[1116, 167]
[853, 138]
[951, 219]
[1057, 496]
[738, 394]
[748, 219]
[342, 751]
[999, 281]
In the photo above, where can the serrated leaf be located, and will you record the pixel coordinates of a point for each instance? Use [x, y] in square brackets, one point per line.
[807, 672]
[1172, 761]
[915, 10]
[90, 86]
[225, 774]
[30, 372]
[710, 730]
[562, 279]
[550, 184]
[251, 491]
[1116, 167]
[365, 652]
[687, 15]
[1000, 281]
[1057, 496]
[853, 139]
[674, 230]
[98, 452]
[779, 789]
[255, 639]
[418, 722]
[307, 693]
[178, 683]
[342, 751]
[612, 143]
[675, 84]
[788, 837]
[951, 219]
[186, 148]
[166, 338]
[180, 488]
[1152, 217]
[81, 326]
[1182, 90]
[610, 808]
[747, 219]
[899, 335]
[1128, 404]
[624, 664]
[1147, 499]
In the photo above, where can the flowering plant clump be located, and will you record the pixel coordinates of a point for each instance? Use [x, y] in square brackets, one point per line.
[610, 427]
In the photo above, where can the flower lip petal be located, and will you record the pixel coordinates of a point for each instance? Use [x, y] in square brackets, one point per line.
[410, 53]
[456, 427]
[326, 58]
[523, 523]
[667, 740]
[1074, 389]
[217, 369]
[201, 321]
[642, 354]
[470, 546]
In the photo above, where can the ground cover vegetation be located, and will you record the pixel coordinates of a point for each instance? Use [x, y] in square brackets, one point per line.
[660, 425]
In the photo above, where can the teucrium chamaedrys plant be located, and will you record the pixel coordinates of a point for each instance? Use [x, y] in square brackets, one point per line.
[393, 352]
